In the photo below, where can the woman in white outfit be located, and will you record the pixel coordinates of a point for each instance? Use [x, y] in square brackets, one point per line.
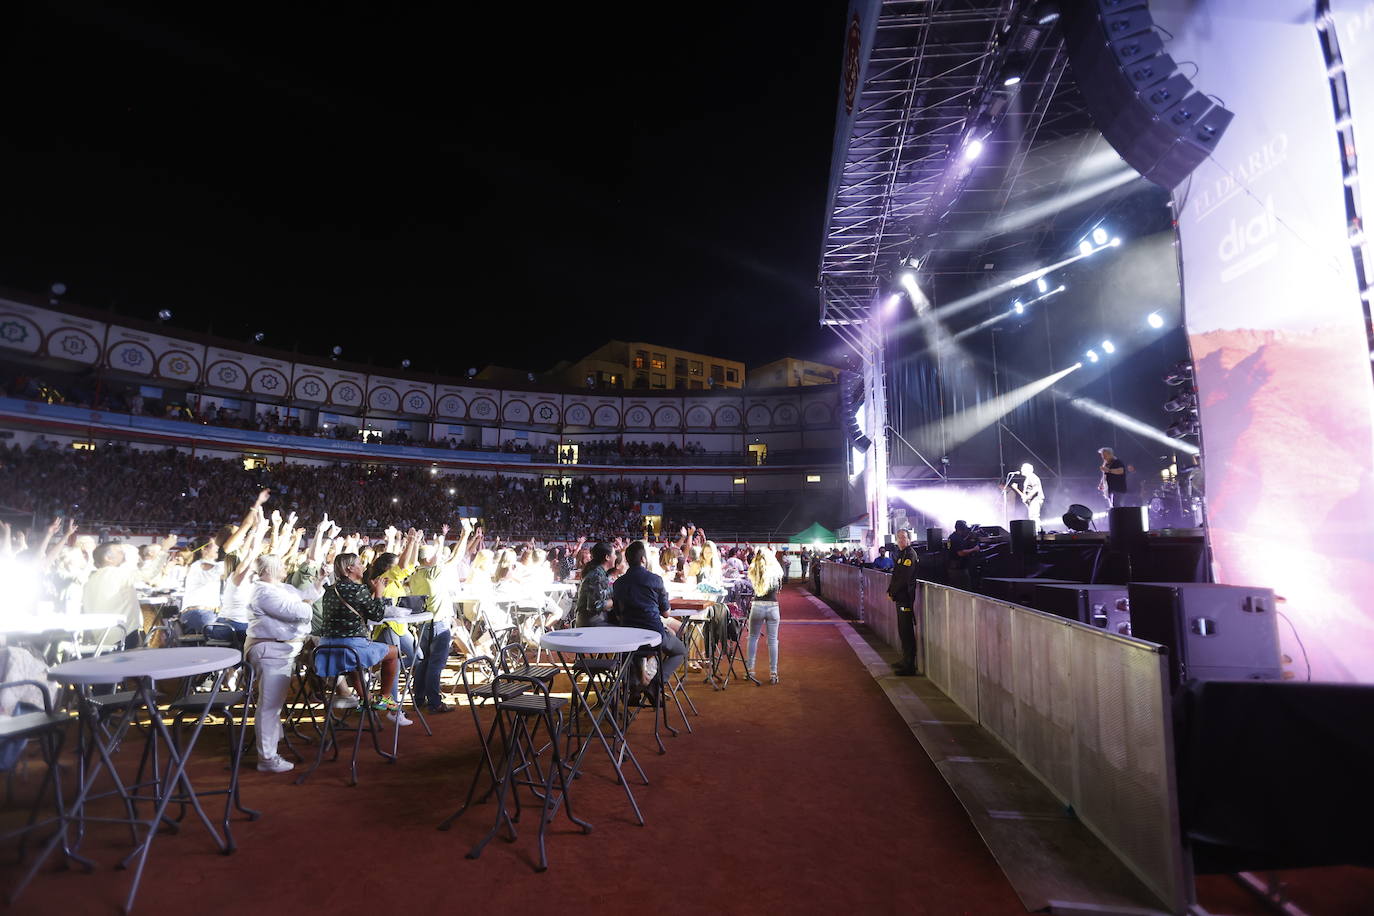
[279, 622]
[765, 574]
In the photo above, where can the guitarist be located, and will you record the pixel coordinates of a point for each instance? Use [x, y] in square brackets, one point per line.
[1113, 483]
[1031, 492]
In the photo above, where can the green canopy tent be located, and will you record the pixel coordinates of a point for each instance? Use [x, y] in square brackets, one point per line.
[817, 533]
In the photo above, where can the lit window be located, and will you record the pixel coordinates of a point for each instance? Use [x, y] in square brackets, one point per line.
[741, 481]
[641, 358]
[697, 368]
[658, 362]
[84, 446]
[813, 478]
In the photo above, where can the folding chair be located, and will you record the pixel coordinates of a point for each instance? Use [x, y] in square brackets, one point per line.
[337, 708]
[480, 666]
[49, 728]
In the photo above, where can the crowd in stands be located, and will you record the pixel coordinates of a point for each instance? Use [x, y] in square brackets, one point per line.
[601, 447]
[174, 490]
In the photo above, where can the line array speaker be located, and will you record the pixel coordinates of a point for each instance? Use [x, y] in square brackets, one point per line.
[1150, 113]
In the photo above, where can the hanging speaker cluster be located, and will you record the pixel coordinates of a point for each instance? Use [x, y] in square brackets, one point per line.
[851, 399]
[1150, 113]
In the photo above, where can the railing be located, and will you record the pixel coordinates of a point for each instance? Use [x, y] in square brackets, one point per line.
[1085, 710]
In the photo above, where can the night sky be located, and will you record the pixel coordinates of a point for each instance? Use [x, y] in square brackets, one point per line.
[456, 185]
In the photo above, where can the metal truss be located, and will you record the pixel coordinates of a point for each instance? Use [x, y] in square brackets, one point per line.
[901, 190]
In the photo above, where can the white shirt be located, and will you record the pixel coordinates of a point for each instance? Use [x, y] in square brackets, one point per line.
[203, 585]
[234, 602]
[277, 611]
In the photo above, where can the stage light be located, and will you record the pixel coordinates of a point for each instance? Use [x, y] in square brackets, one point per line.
[1042, 286]
[529, 376]
[1085, 248]
[1092, 356]
[336, 352]
[1099, 236]
[1184, 400]
[164, 315]
[893, 301]
[58, 289]
[472, 373]
[1108, 346]
[1078, 518]
[1180, 373]
[973, 150]
[405, 364]
[1116, 242]
[1011, 79]
[1155, 320]
[1020, 308]
[259, 337]
[1185, 426]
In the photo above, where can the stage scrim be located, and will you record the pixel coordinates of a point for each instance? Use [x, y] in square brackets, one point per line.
[1277, 332]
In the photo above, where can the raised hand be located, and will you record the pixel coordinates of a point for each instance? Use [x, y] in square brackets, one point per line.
[276, 517]
[262, 497]
[443, 530]
[71, 527]
[169, 542]
[54, 526]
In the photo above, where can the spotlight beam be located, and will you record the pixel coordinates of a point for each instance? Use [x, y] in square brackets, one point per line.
[966, 424]
[1129, 423]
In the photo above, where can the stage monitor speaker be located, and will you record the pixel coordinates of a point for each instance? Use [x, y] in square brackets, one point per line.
[1107, 607]
[1150, 113]
[1023, 537]
[851, 399]
[1017, 591]
[1213, 632]
[935, 539]
[1127, 525]
[993, 533]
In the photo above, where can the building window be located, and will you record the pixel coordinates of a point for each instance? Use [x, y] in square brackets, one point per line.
[680, 366]
[641, 380]
[641, 359]
[697, 368]
[718, 373]
[732, 375]
[759, 450]
[660, 380]
[658, 362]
[741, 481]
[84, 446]
[681, 382]
[813, 478]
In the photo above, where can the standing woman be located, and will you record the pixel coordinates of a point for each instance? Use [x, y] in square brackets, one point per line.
[765, 575]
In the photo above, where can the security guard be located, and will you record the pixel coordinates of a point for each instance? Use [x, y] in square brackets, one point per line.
[902, 591]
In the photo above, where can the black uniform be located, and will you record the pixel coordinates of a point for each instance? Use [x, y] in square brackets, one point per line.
[902, 591]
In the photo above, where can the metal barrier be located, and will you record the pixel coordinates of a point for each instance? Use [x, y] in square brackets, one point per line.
[860, 593]
[1085, 710]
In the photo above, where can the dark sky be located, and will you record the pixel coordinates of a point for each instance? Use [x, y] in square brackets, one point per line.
[457, 184]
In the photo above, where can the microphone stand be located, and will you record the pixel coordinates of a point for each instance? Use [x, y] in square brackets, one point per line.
[1006, 513]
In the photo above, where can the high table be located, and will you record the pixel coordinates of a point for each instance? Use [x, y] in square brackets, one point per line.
[68, 624]
[146, 667]
[622, 642]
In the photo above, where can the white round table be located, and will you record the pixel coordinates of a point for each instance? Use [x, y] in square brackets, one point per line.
[146, 666]
[413, 617]
[157, 664]
[592, 640]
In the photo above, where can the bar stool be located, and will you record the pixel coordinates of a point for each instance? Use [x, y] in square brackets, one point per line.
[522, 705]
[472, 668]
[344, 659]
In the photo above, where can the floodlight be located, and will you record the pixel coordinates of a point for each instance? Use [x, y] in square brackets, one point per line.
[1116, 242]
[1108, 346]
[1020, 308]
[1091, 355]
[973, 150]
[1099, 236]
[1042, 286]
[1155, 320]
[1085, 248]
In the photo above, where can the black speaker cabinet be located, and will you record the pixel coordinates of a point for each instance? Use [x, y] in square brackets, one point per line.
[1107, 607]
[1213, 632]
[1017, 591]
[935, 539]
[1146, 108]
[1023, 536]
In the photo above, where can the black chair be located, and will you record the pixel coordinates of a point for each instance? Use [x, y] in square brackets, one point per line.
[49, 728]
[515, 659]
[235, 707]
[522, 706]
[337, 709]
[473, 669]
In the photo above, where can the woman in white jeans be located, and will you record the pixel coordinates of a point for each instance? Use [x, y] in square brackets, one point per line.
[279, 621]
[766, 576]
